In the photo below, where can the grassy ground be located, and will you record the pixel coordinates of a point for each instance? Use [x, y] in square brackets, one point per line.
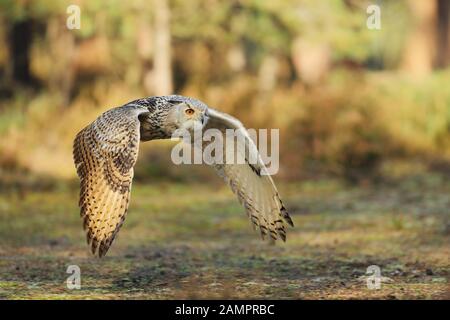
[195, 242]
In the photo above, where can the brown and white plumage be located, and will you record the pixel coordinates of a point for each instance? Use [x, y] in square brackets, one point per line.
[254, 187]
[106, 151]
[104, 154]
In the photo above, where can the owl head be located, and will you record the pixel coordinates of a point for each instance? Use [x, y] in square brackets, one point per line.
[169, 114]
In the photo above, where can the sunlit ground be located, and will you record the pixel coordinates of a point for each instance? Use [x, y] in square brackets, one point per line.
[195, 241]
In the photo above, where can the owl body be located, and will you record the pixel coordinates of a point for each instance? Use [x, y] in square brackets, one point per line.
[106, 151]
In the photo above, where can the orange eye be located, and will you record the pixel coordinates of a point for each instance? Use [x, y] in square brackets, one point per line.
[189, 111]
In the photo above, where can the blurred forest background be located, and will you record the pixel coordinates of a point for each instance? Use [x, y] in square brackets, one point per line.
[349, 101]
[364, 119]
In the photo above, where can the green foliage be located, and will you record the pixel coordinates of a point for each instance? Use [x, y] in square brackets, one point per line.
[352, 119]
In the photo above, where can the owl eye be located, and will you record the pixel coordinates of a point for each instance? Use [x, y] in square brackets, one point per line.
[189, 111]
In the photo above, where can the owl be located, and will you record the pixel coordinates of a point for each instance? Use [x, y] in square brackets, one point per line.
[106, 151]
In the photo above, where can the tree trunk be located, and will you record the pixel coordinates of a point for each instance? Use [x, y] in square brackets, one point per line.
[162, 68]
[20, 40]
[420, 50]
[443, 26]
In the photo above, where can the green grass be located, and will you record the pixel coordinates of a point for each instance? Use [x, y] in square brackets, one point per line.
[194, 241]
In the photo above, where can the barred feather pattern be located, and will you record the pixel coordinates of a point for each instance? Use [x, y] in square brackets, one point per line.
[104, 154]
[255, 191]
[260, 199]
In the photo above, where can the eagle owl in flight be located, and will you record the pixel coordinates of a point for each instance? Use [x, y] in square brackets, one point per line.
[106, 150]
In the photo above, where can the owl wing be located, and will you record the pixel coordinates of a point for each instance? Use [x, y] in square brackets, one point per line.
[251, 183]
[104, 154]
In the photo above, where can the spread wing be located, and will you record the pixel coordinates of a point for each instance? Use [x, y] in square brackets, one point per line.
[104, 154]
[255, 189]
